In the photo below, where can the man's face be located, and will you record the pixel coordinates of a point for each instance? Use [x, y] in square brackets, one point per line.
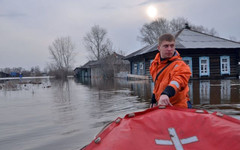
[167, 49]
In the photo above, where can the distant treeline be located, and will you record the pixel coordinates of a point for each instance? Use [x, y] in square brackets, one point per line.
[19, 71]
[34, 71]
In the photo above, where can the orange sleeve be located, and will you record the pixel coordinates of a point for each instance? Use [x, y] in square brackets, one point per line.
[180, 76]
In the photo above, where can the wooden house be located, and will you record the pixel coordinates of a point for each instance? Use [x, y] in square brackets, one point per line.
[84, 71]
[110, 66]
[4, 75]
[209, 57]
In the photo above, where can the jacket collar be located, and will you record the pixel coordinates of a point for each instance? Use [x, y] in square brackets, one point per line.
[158, 59]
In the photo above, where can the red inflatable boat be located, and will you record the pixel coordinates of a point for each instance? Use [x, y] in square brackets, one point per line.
[170, 128]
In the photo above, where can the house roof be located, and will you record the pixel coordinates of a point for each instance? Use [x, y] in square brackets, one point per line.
[119, 60]
[144, 50]
[190, 39]
[115, 57]
[88, 64]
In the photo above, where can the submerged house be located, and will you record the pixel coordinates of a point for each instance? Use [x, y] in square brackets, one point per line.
[208, 56]
[113, 65]
[84, 71]
[4, 75]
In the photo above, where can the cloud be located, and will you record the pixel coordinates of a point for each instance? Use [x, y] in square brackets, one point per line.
[151, 1]
[28, 27]
[12, 15]
[108, 6]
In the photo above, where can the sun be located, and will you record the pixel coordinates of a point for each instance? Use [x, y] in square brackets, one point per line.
[152, 12]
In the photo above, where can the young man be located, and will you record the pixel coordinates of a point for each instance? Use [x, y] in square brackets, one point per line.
[170, 75]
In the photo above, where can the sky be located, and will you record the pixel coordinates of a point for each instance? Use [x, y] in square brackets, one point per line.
[29, 27]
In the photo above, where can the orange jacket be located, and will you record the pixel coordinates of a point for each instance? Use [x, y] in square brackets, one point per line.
[177, 75]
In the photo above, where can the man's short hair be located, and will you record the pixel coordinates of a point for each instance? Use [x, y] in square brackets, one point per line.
[166, 37]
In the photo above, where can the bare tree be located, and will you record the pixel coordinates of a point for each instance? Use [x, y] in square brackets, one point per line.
[62, 53]
[177, 24]
[97, 43]
[203, 29]
[17, 69]
[149, 33]
[7, 70]
[35, 71]
[121, 52]
[232, 38]
[212, 31]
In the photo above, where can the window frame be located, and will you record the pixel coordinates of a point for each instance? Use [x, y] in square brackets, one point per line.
[207, 66]
[227, 64]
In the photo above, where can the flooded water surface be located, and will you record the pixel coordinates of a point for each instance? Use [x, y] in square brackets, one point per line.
[66, 115]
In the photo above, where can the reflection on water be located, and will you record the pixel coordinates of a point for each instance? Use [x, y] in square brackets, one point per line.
[215, 91]
[204, 92]
[214, 95]
[54, 115]
[225, 91]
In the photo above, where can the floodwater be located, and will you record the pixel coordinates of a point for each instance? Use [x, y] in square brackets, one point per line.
[49, 114]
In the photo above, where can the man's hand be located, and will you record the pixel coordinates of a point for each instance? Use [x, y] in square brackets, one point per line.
[164, 100]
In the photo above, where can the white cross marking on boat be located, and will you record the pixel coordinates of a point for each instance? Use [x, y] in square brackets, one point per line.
[175, 140]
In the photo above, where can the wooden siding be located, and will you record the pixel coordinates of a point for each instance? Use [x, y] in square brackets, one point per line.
[214, 58]
[214, 61]
[147, 65]
[136, 68]
[238, 59]
[143, 58]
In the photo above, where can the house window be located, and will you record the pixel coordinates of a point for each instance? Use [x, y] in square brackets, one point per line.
[188, 61]
[204, 66]
[141, 66]
[135, 68]
[225, 64]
